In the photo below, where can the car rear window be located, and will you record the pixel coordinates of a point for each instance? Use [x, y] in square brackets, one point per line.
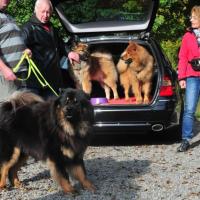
[85, 11]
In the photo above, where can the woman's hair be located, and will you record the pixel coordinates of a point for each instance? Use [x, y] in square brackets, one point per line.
[196, 11]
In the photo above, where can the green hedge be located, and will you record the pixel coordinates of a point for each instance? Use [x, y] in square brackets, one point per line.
[171, 20]
[171, 49]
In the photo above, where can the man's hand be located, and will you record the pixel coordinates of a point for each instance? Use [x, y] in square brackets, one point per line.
[28, 52]
[8, 74]
[73, 56]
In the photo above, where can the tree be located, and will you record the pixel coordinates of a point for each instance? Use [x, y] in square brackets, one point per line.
[170, 24]
[21, 10]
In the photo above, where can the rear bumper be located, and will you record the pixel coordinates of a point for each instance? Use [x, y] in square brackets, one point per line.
[135, 128]
[163, 115]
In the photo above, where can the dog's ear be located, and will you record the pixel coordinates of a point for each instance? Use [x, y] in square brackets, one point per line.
[73, 46]
[57, 102]
[61, 91]
[86, 45]
[132, 47]
[84, 94]
[130, 42]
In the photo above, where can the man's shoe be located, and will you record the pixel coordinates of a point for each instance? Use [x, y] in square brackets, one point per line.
[184, 146]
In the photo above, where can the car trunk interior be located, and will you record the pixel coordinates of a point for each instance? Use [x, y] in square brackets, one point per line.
[116, 48]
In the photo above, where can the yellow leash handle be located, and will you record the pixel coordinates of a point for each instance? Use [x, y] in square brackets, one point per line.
[33, 68]
[16, 68]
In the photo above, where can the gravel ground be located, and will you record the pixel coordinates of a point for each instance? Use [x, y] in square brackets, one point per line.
[139, 171]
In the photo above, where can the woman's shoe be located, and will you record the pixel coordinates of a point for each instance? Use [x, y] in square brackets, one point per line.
[184, 146]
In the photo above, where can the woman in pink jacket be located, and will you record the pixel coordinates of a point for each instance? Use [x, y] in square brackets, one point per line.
[189, 78]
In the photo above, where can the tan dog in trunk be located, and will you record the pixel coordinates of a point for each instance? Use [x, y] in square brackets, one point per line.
[98, 66]
[136, 69]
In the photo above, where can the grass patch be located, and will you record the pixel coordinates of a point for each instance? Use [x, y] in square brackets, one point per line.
[197, 114]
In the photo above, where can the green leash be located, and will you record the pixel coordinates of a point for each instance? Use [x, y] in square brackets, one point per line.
[33, 68]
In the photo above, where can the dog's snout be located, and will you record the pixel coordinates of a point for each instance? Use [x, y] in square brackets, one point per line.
[68, 109]
[128, 61]
[68, 112]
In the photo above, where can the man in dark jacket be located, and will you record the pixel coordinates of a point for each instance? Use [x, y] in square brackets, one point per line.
[47, 48]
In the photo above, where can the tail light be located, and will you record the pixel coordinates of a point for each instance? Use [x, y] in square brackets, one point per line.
[166, 88]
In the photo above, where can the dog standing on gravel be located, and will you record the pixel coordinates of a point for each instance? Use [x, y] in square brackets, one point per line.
[98, 66]
[136, 69]
[55, 131]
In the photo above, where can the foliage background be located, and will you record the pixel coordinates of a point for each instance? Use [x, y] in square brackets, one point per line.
[170, 24]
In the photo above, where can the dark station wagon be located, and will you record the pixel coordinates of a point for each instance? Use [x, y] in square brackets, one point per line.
[111, 25]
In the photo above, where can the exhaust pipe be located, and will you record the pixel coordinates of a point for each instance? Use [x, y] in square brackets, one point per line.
[157, 127]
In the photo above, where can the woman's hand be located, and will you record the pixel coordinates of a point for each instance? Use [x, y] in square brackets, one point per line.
[182, 84]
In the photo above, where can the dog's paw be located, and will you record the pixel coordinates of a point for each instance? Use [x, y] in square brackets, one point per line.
[2, 186]
[127, 98]
[139, 101]
[116, 96]
[18, 184]
[70, 190]
[146, 102]
[89, 186]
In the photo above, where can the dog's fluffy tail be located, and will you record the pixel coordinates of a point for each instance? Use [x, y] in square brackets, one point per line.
[18, 99]
[21, 98]
[105, 55]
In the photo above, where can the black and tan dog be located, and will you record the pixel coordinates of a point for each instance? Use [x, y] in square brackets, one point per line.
[98, 66]
[55, 131]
